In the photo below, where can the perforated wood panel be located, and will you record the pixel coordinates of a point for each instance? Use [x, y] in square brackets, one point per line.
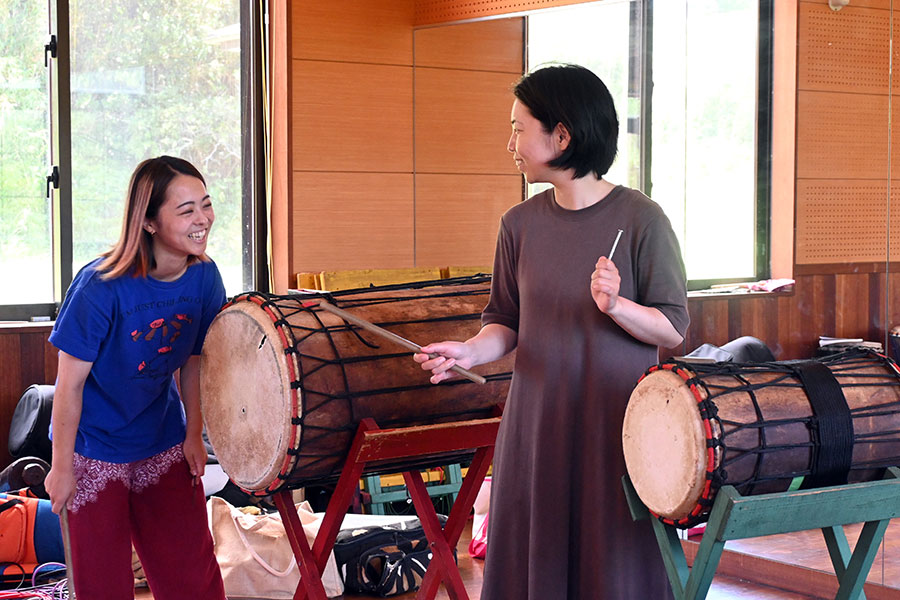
[842, 135]
[843, 221]
[433, 12]
[846, 50]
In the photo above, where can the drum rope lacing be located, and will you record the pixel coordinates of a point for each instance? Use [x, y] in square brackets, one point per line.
[699, 378]
[302, 365]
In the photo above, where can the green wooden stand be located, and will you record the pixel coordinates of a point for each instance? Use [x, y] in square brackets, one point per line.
[735, 517]
[382, 495]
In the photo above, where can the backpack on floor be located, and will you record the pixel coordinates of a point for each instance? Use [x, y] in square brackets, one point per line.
[29, 536]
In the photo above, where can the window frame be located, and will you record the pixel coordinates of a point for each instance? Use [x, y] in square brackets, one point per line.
[253, 214]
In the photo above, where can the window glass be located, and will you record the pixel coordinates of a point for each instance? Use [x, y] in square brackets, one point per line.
[167, 82]
[597, 37]
[704, 131]
[26, 263]
[702, 111]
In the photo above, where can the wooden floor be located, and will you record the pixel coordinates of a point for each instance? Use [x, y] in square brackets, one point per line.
[797, 562]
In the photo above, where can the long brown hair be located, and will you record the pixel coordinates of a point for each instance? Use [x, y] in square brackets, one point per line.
[146, 193]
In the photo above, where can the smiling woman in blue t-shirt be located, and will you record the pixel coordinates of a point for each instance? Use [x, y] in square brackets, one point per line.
[127, 447]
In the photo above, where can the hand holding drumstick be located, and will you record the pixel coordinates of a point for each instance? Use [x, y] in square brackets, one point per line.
[426, 353]
[605, 280]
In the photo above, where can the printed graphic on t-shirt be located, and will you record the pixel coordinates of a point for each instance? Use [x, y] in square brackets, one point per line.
[159, 339]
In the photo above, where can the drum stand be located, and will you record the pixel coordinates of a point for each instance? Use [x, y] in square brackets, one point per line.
[736, 517]
[372, 444]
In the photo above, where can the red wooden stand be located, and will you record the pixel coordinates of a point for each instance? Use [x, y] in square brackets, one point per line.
[372, 444]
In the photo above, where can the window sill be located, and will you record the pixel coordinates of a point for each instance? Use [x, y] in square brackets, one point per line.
[25, 326]
[740, 293]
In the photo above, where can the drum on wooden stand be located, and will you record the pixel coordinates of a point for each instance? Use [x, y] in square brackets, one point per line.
[284, 385]
[691, 428]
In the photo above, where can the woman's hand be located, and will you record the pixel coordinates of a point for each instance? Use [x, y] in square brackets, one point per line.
[440, 357]
[605, 283]
[60, 486]
[195, 455]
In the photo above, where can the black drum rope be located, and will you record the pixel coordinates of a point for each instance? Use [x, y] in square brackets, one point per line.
[308, 364]
[843, 365]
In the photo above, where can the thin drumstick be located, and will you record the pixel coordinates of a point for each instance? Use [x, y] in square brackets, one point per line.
[67, 551]
[350, 318]
[615, 243]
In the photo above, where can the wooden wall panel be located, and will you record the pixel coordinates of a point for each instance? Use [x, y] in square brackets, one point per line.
[847, 305]
[483, 46]
[352, 221]
[360, 31]
[844, 51]
[352, 117]
[25, 358]
[462, 121]
[457, 217]
[840, 219]
[842, 136]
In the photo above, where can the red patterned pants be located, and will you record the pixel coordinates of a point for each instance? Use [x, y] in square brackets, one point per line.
[153, 504]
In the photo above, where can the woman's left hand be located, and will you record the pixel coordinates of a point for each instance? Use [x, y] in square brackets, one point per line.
[195, 455]
[605, 283]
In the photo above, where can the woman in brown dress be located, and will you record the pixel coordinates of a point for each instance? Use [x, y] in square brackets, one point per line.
[584, 328]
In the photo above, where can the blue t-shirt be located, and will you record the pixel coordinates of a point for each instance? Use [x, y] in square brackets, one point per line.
[137, 332]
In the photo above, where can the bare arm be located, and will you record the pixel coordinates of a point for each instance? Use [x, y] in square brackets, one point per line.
[67, 400]
[194, 450]
[643, 323]
[493, 342]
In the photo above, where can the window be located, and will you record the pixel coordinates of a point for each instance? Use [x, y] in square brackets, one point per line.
[692, 95]
[144, 78]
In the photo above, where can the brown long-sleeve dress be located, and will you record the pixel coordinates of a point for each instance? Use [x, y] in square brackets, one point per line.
[559, 523]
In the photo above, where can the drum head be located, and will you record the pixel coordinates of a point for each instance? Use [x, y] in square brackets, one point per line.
[664, 444]
[246, 395]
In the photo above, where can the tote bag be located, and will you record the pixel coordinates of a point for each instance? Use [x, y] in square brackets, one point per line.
[255, 555]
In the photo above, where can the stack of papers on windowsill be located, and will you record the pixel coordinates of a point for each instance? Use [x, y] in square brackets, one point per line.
[764, 285]
[825, 340]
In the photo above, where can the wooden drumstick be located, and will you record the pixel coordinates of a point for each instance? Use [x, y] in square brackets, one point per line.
[67, 551]
[350, 318]
[615, 243]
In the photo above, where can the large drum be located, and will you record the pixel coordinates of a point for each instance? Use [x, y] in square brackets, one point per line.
[691, 428]
[284, 385]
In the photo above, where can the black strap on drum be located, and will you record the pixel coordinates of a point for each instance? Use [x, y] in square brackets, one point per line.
[831, 426]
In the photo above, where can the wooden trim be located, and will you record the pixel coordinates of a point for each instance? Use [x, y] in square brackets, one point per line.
[282, 160]
[784, 137]
[437, 12]
[848, 267]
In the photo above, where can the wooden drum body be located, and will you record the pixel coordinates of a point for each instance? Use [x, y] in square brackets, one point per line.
[691, 428]
[284, 385]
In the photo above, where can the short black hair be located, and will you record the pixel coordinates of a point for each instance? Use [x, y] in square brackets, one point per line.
[577, 98]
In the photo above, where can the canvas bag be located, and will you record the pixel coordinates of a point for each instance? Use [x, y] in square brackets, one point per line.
[255, 556]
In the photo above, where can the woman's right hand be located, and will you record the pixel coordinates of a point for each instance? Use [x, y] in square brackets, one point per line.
[440, 357]
[60, 486]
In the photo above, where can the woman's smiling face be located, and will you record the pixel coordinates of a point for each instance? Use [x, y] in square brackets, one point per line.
[181, 227]
[532, 147]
